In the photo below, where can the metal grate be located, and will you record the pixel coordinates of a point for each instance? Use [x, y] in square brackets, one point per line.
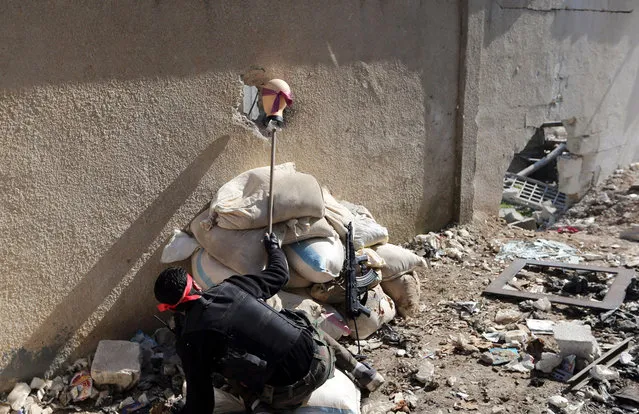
[532, 192]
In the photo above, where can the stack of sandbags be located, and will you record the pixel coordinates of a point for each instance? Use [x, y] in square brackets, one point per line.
[312, 226]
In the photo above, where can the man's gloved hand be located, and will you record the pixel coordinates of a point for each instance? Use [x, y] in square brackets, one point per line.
[271, 242]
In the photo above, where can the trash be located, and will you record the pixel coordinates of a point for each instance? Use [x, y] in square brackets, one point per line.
[540, 249]
[567, 229]
[324, 316]
[405, 292]
[426, 372]
[626, 359]
[180, 247]
[398, 260]
[558, 401]
[541, 326]
[81, 386]
[548, 362]
[461, 343]
[493, 337]
[566, 369]
[506, 316]
[524, 364]
[576, 339]
[37, 383]
[116, 363]
[542, 304]
[501, 356]
[604, 373]
[18, 395]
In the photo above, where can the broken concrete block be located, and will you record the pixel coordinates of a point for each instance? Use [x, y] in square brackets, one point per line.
[585, 144]
[576, 339]
[18, 396]
[542, 304]
[116, 363]
[426, 373]
[558, 401]
[548, 362]
[548, 211]
[37, 383]
[516, 335]
[506, 316]
[529, 223]
[513, 215]
[604, 373]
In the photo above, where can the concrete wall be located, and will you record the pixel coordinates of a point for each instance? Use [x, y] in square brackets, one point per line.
[554, 60]
[116, 125]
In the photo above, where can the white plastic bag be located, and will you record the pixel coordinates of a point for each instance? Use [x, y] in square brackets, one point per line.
[338, 395]
[179, 247]
[317, 260]
[207, 271]
[398, 261]
[382, 311]
[242, 203]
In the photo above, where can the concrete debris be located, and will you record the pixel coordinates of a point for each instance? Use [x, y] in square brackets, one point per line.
[426, 372]
[631, 234]
[558, 401]
[575, 339]
[37, 383]
[540, 249]
[117, 363]
[529, 223]
[604, 373]
[18, 395]
[505, 316]
[511, 215]
[516, 335]
[542, 304]
[626, 359]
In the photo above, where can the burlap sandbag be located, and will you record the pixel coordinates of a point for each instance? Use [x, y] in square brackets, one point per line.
[398, 261]
[337, 215]
[207, 271]
[242, 203]
[405, 292]
[382, 311]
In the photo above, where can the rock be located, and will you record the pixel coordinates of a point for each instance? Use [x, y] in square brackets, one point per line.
[548, 211]
[377, 407]
[631, 234]
[576, 339]
[548, 362]
[18, 396]
[454, 253]
[400, 353]
[516, 336]
[558, 401]
[464, 233]
[497, 409]
[512, 216]
[506, 316]
[451, 381]
[426, 373]
[604, 373]
[542, 304]
[487, 358]
[5, 409]
[37, 383]
[116, 363]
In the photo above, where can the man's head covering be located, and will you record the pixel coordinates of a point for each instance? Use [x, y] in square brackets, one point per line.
[174, 287]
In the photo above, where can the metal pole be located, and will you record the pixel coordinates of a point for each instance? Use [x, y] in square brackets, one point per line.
[270, 189]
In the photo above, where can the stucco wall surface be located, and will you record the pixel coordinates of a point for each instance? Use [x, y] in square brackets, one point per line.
[116, 125]
[542, 62]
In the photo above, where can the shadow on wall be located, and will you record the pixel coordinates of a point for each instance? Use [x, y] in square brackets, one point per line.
[90, 293]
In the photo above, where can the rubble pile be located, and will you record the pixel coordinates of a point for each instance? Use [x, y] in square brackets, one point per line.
[143, 375]
[614, 203]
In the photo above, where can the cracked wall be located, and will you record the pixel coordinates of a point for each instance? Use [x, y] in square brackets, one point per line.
[547, 60]
[116, 125]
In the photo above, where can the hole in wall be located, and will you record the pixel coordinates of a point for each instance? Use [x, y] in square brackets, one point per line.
[545, 139]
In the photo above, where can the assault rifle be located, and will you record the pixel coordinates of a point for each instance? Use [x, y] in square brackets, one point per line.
[354, 307]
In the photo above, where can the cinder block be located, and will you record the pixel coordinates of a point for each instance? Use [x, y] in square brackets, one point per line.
[576, 339]
[117, 363]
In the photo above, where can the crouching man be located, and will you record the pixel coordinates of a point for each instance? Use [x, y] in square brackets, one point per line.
[275, 360]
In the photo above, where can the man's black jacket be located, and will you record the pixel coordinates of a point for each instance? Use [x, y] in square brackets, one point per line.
[201, 343]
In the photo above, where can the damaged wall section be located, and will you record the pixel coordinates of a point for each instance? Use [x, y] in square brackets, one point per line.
[576, 66]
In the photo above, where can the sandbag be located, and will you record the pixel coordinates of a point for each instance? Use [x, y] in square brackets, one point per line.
[338, 395]
[367, 232]
[180, 247]
[317, 260]
[375, 261]
[242, 203]
[304, 228]
[382, 311]
[331, 292]
[227, 403]
[207, 271]
[323, 316]
[296, 281]
[337, 215]
[398, 261]
[405, 292]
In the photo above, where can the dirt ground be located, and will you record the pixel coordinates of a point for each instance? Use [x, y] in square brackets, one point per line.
[489, 389]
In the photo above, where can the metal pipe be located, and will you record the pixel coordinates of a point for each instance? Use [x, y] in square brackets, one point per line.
[544, 161]
[270, 186]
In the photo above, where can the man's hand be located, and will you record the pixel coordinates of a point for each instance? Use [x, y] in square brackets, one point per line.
[271, 242]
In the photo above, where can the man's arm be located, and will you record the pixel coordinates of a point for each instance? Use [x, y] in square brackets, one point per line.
[270, 280]
[199, 385]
